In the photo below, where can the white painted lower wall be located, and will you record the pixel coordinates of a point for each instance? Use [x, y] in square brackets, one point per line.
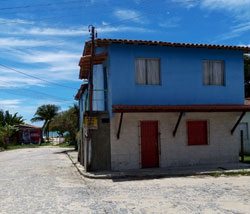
[174, 151]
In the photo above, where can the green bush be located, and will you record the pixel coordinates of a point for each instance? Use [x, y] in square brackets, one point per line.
[5, 133]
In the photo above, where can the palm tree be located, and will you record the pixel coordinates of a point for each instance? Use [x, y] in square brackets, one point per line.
[46, 113]
[8, 119]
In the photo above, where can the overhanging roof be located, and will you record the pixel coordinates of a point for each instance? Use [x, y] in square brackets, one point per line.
[80, 91]
[84, 63]
[180, 108]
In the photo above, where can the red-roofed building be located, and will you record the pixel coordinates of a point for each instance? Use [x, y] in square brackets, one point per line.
[29, 134]
[160, 104]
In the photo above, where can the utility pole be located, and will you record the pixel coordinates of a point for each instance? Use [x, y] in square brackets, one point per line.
[92, 55]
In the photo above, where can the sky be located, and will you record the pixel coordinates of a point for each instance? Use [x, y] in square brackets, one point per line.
[42, 41]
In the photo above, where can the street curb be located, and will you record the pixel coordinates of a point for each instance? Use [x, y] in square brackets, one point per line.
[85, 174]
[143, 176]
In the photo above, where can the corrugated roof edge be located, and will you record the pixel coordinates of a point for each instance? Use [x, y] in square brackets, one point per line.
[103, 42]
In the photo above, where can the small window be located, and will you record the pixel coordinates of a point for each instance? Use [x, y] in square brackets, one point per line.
[244, 128]
[197, 132]
[105, 120]
[147, 71]
[213, 72]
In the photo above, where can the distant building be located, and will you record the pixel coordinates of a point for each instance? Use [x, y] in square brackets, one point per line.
[28, 134]
[160, 104]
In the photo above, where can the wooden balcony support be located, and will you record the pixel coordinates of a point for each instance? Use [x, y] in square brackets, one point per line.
[177, 124]
[237, 123]
[120, 125]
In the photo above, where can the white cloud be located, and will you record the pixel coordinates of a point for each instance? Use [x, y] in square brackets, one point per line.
[14, 21]
[237, 8]
[236, 31]
[10, 104]
[128, 14]
[109, 29]
[53, 31]
[11, 81]
[187, 4]
[48, 57]
[170, 22]
[74, 32]
[9, 42]
[226, 4]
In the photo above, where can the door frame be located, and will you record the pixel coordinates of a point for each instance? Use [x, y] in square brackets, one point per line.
[159, 142]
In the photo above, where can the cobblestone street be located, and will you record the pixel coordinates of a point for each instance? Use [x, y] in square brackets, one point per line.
[44, 180]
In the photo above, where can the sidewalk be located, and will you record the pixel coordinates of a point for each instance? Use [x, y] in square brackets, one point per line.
[157, 172]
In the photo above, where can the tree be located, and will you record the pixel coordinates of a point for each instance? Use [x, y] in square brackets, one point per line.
[8, 119]
[67, 122]
[6, 132]
[247, 75]
[46, 113]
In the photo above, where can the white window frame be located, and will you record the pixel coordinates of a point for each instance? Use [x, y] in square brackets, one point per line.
[211, 81]
[146, 81]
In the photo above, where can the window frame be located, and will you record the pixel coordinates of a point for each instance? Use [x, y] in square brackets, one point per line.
[208, 132]
[224, 71]
[149, 58]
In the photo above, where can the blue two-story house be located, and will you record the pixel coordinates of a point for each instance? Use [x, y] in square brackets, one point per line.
[160, 104]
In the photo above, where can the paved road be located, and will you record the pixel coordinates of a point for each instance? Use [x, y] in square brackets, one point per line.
[45, 181]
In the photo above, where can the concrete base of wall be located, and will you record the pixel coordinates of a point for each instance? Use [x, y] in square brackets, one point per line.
[174, 151]
[95, 151]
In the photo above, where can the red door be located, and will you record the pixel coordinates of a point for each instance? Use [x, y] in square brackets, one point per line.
[149, 144]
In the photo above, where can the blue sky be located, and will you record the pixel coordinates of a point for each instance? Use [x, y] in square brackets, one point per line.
[45, 39]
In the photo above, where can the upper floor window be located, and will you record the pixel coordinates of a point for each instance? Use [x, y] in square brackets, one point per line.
[213, 72]
[147, 71]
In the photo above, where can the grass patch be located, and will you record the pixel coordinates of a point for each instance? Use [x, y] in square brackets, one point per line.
[65, 145]
[47, 144]
[28, 146]
[246, 159]
[235, 173]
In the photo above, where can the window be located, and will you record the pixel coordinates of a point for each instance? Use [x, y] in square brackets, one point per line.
[147, 71]
[244, 128]
[213, 72]
[197, 132]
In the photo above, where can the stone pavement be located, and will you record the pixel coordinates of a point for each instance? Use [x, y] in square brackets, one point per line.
[44, 180]
[40, 181]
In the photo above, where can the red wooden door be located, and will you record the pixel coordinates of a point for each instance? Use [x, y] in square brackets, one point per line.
[149, 144]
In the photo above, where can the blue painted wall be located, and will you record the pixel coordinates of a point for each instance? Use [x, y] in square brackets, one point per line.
[181, 76]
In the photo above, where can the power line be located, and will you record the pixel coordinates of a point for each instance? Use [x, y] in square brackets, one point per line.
[27, 22]
[20, 72]
[33, 91]
[55, 17]
[41, 5]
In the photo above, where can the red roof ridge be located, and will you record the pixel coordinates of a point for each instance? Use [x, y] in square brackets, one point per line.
[164, 43]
